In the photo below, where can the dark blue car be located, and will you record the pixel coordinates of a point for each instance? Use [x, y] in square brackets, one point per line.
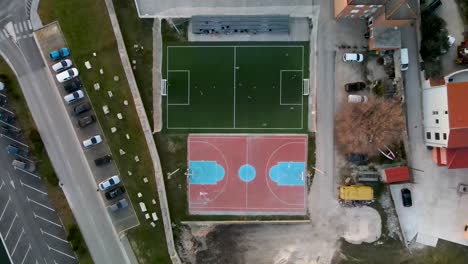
[59, 54]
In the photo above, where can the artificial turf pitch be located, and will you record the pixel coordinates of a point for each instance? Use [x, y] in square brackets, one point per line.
[234, 87]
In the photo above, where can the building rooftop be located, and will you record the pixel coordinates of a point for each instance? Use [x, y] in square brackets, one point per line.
[457, 106]
[387, 38]
[402, 9]
[400, 174]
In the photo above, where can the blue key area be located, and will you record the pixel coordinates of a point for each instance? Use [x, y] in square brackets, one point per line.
[288, 173]
[247, 173]
[205, 172]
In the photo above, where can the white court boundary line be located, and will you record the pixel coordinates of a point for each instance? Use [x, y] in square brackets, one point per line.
[234, 106]
[188, 87]
[281, 86]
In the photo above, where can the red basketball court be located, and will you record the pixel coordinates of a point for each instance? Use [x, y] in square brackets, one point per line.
[247, 174]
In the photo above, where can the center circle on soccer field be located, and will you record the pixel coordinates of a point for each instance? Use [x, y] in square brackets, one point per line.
[247, 173]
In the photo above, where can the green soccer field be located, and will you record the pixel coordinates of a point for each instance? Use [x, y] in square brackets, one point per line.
[236, 87]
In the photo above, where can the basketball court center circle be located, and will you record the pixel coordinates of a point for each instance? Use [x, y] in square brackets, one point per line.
[247, 173]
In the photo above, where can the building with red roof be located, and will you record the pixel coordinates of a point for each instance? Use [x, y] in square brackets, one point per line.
[398, 174]
[445, 110]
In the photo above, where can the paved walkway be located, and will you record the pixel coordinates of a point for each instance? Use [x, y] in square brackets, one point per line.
[157, 67]
[147, 131]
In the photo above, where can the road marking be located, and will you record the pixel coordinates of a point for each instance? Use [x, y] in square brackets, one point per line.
[30, 187]
[14, 140]
[2, 37]
[6, 110]
[16, 28]
[14, 249]
[58, 251]
[25, 255]
[55, 262]
[25, 25]
[11, 225]
[25, 171]
[29, 25]
[47, 220]
[49, 234]
[5, 32]
[4, 209]
[20, 26]
[31, 200]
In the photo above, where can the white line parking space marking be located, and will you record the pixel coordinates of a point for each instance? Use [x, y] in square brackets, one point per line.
[49, 234]
[55, 262]
[4, 209]
[31, 200]
[32, 188]
[29, 25]
[14, 140]
[47, 220]
[25, 255]
[6, 110]
[25, 171]
[58, 251]
[19, 238]
[1, 185]
[11, 225]
[10, 125]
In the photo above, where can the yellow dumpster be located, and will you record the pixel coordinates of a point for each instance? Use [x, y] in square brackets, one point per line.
[356, 193]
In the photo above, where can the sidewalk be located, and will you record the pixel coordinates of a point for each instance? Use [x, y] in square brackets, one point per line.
[148, 133]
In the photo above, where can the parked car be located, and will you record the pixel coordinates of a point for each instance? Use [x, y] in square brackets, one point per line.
[353, 57]
[62, 65]
[24, 165]
[9, 131]
[67, 75]
[82, 108]
[103, 160]
[73, 85]
[115, 192]
[59, 54]
[357, 99]
[92, 141]
[73, 97]
[358, 159]
[431, 7]
[119, 205]
[2, 86]
[355, 86]
[406, 197]
[108, 183]
[462, 188]
[14, 150]
[86, 120]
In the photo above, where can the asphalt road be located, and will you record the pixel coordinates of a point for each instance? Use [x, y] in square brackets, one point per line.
[61, 142]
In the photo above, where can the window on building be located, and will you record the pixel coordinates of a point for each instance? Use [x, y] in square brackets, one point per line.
[437, 136]
[359, 6]
[437, 121]
[445, 136]
[354, 11]
[428, 135]
[446, 112]
[435, 112]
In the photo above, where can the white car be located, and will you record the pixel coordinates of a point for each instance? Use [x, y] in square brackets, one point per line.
[357, 99]
[106, 184]
[62, 65]
[92, 141]
[353, 57]
[67, 75]
[451, 40]
[73, 97]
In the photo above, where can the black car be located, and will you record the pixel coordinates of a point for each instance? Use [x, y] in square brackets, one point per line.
[82, 108]
[358, 159]
[406, 197]
[115, 192]
[103, 160]
[73, 85]
[431, 7]
[354, 87]
[86, 120]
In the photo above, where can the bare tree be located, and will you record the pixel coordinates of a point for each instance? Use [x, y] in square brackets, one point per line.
[363, 128]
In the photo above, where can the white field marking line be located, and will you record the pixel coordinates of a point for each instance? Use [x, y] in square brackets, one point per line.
[11, 225]
[281, 86]
[6, 110]
[31, 200]
[30, 25]
[27, 172]
[37, 190]
[58, 251]
[235, 63]
[301, 137]
[47, 220]
[5, 123]
[237, 128]
[4, 208]
[283, 209]
[19, 238]
[25, 255]
[14, 140]
[56, 237]
[188, 87]
[246, 162]
[167, 96]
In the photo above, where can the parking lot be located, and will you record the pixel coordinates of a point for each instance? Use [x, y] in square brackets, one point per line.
[29, 226]
[50, 38]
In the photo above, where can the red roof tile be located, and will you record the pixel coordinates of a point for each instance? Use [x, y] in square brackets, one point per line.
[400, 174]
[457, 158]
[457, 106]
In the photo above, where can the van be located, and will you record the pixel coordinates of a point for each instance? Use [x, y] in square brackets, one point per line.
[356, 99]
[404, 59]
